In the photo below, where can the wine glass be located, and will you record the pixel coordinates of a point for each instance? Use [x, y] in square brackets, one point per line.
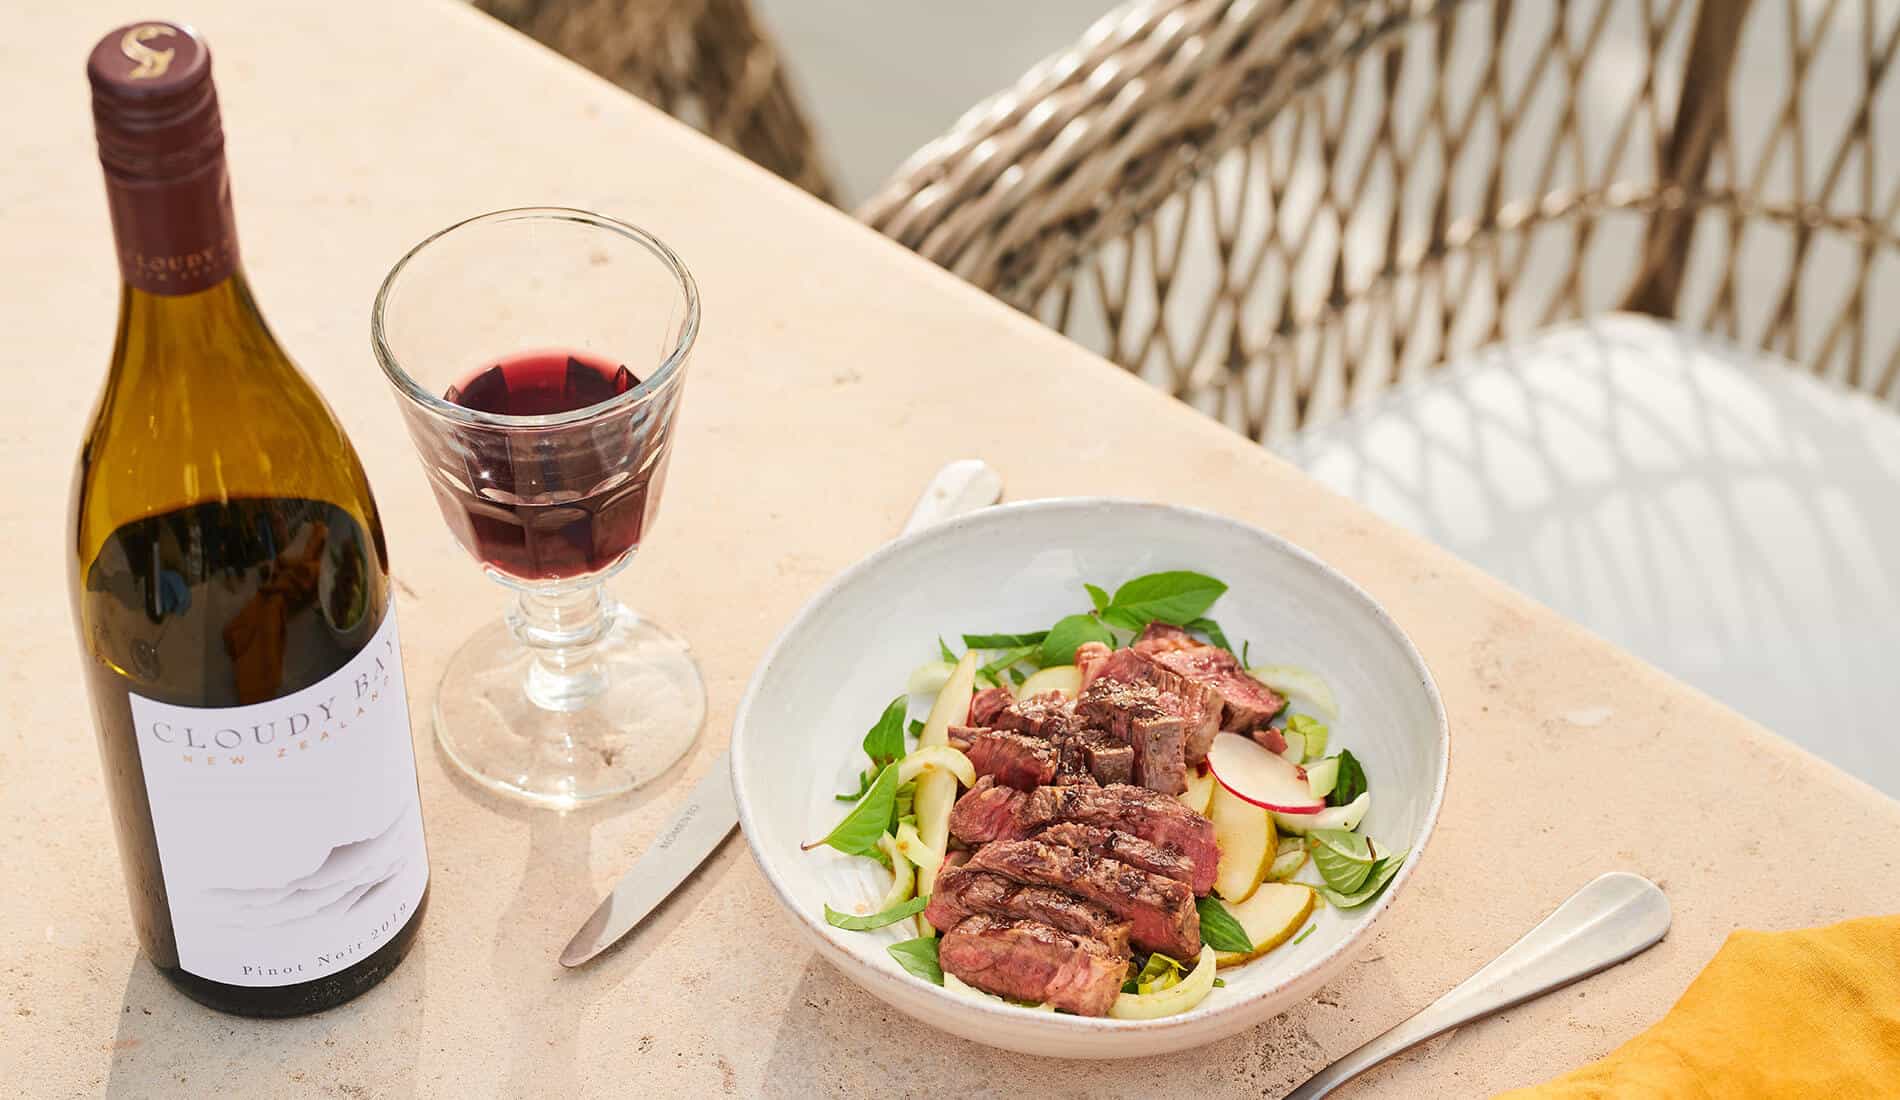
[538, 356]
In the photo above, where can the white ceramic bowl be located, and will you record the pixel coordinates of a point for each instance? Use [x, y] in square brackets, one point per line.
[795, 740]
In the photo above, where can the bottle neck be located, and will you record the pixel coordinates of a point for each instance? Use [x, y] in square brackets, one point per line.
[174, 236]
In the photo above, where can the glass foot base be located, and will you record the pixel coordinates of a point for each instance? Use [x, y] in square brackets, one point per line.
[498, 720]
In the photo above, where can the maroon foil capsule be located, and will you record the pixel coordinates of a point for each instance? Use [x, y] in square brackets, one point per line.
[161, 143]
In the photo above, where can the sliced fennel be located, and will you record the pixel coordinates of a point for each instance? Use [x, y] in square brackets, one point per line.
[1345, 817]
[1184, 995]
[1286, 864]
[1322, 776]
[903, 874]
[941, 758]
[929, 677]
[1295, 682]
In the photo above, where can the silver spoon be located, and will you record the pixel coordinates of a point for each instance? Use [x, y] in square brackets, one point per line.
[1614, 918]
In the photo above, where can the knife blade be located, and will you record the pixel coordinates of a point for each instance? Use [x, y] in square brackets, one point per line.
[689, 836]
[710, 813]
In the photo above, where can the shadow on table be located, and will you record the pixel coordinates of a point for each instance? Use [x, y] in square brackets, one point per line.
[834, 1039]
[169, 1045]
[547, 1001]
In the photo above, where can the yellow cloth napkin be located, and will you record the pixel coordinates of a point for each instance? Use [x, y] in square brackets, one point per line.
[1807, 1014]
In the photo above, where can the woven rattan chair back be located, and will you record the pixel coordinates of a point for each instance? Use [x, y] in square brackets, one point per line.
[708, 63]
[1276, 208]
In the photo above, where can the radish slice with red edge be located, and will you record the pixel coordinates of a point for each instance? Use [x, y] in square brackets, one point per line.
[1255, 775]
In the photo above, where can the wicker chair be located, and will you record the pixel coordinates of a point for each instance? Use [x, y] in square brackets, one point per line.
[1276, 208]
[706, 62]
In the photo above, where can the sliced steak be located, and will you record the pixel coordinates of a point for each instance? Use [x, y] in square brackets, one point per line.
[964, 892]
[1048, 715]
[1160, 637]
[1136, 714]
[1014, 759]
[1030, 961]
[1155, 818]
[1153, 858]
[987, 704]
[1088, 660]
[1107, 759]
[988, 812]
[1248, 704]
[1160, 911]
[1198, 705]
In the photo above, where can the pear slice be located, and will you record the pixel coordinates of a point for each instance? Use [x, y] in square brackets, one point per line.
[1244, 834]
[1272, 914]
[1200, 791]
[1066, 679]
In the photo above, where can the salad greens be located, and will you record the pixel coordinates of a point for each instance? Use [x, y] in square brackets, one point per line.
[919, 956]
[1380, 874]
[884, 744]
[858, 833]
[1344, 858]
[853, 923]
[1352, 780]
[1219, 929]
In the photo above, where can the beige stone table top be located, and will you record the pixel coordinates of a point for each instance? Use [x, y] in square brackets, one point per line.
[834, 374]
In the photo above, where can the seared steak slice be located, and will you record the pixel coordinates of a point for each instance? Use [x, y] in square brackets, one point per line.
[1027, 960]
[1160, 911]
[1134, 851]
[1138, 715]
[1045, 715]
[1015, 759]
[1162, 637]
[987, 704]
[1198, 705]
[988, 812]
[1155, 818]
[1108, 760]
[964, 892]
[1088, 659]
[1248, 703]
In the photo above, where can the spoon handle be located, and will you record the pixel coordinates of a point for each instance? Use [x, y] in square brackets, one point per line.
[1614, 918]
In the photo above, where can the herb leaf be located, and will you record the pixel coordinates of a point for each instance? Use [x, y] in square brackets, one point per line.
[944, 652]
[1004, 641]
[1177, 597]
[919, 956]
[1213, 631]
[916, 727]
[864, 784]
[1382, 873]
[1098, 597]
[1219, 929]
[1303, 935]
[1071, 631]
[1344, 858]
[853, 923]
[1005, 660]
[857, 834]
[1123, 619]
[1352, 780]
[885, 741]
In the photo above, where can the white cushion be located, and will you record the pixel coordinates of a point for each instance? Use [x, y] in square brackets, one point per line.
[1712, 510]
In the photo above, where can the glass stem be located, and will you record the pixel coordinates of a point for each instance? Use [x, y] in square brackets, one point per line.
[563, 626]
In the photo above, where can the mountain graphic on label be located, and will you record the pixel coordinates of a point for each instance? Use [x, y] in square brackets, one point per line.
[349, 875]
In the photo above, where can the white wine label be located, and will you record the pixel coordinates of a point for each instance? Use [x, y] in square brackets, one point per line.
[289, 832]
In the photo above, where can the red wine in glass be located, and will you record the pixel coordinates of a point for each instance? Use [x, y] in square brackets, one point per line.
[560, 501]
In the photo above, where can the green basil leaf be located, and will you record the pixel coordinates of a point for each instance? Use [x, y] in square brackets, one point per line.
[1018, 677]
[916, 727]
[857, 834]
[1213, 631]
[885, 742]
[853, 923]
[1382, 873]
[1124, 619]
[1006, 659]
[1219, 929]
[864, 784]
[1352, 780]
[1004, 641]
[1344, 858]
[944, 652]
[1177, 597]
[1098, 597]
[919, 956]
[1059, 647]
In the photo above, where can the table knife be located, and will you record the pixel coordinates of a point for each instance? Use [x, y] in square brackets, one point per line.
[709, 814]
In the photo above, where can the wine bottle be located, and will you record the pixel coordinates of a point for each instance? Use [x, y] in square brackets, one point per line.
[231, 589]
